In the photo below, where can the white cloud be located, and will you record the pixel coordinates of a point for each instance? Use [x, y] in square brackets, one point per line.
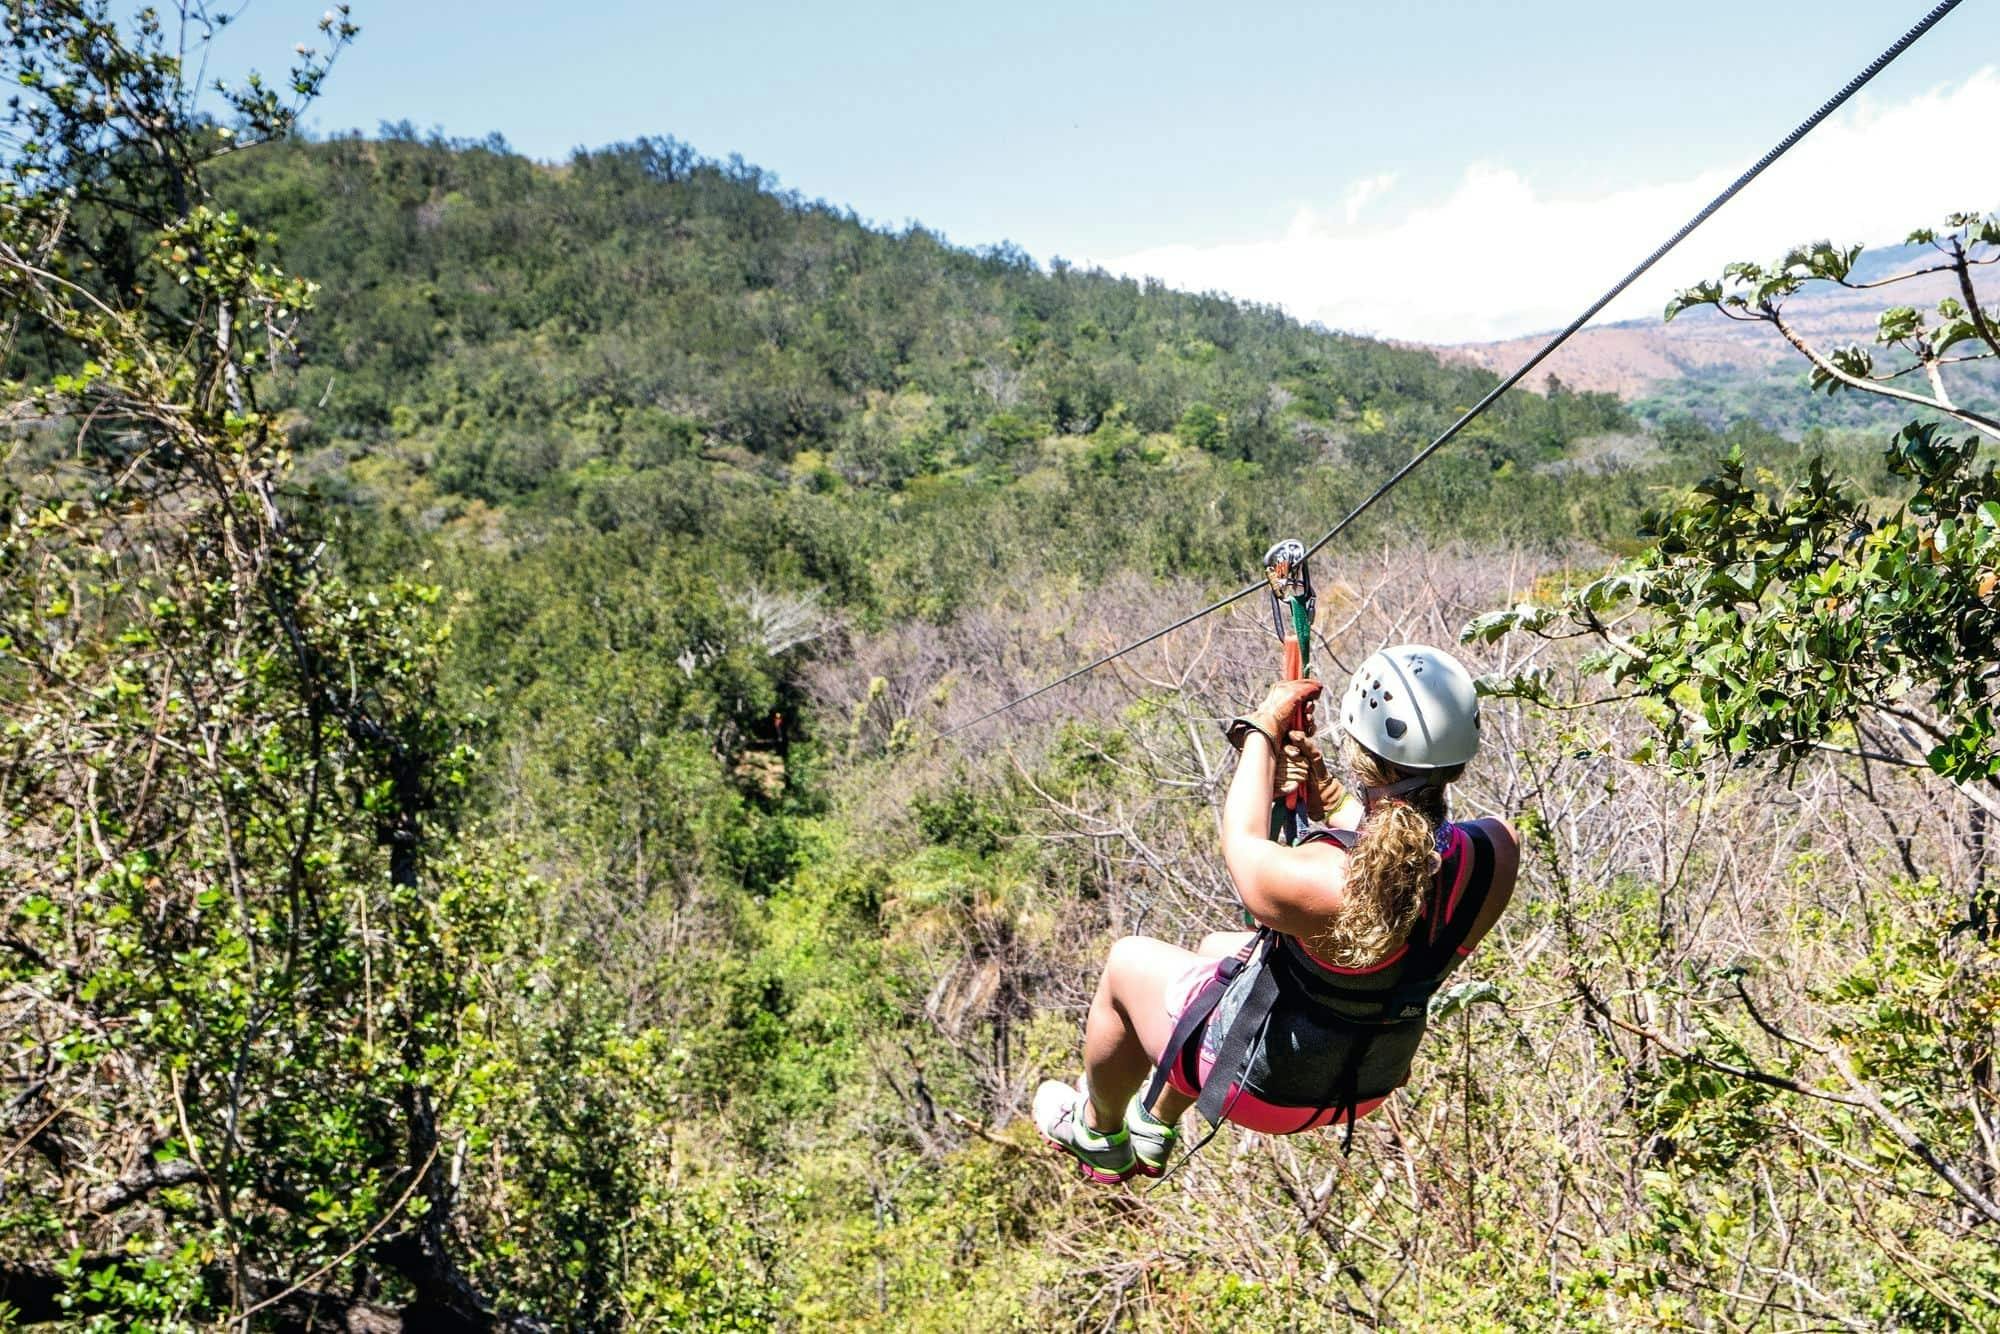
[1362, 191]
[1498, 258]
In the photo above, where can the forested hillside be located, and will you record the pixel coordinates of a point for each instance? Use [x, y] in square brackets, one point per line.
[649, 341]
[480, 853]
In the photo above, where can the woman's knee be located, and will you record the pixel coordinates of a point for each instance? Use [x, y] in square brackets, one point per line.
[1128, 954]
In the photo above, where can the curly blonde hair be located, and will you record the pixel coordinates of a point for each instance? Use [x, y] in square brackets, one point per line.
[1391, 866]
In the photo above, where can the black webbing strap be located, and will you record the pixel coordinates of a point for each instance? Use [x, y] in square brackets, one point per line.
[1238, 1045]
[1349, 1092]
[1344, 839]
[1402, 788]
[1199, 1007]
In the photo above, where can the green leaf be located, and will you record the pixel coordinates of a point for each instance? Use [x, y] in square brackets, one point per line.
[1464, 995]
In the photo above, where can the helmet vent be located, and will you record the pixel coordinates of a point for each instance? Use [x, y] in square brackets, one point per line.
[1395, 727]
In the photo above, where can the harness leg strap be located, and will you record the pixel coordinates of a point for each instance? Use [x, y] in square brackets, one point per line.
[1199, 1007]
[1239, 1045]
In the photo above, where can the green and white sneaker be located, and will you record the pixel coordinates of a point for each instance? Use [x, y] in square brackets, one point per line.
[1103, 1158]
[1153, 1140]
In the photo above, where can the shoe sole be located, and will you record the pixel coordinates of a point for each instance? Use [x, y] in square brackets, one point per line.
[1089, 1173]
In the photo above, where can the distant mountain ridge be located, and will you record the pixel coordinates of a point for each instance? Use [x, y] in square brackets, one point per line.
[1639, 358]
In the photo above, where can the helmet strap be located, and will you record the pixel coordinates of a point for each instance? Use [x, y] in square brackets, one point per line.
[1402, 788]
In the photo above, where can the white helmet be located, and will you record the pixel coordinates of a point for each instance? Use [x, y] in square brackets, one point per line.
[1415, 707]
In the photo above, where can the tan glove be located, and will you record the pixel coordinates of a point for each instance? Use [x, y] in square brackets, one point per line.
[1301, 767]
[1273, 717]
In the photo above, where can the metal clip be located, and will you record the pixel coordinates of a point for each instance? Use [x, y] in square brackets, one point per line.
[1285, 570]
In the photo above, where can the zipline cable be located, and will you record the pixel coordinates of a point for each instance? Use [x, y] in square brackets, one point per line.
[1090, 667]
[1783, 146]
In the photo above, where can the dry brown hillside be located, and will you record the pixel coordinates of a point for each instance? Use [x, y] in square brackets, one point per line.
[1632, 357]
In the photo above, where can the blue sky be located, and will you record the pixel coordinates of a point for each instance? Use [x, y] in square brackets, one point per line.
[1245, 147]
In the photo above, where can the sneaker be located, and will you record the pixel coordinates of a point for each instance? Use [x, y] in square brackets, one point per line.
[1153, 1140]
[1104, 1158]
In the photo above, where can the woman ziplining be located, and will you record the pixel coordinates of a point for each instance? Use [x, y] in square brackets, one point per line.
[1313, 1018]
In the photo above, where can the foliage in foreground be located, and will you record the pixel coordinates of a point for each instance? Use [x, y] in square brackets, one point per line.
[264, 996]
[1771, 617]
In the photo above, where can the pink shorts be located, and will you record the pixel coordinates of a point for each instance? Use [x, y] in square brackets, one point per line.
[1243, 1109]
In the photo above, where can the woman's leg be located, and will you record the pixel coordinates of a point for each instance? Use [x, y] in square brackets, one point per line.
[1128, 1022]
[1222, 944]
[1170, 1106]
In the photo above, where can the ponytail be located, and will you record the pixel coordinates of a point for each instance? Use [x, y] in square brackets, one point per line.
[1391, 865]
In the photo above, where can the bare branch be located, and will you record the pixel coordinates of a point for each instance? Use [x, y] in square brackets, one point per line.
[1978, 421]
[1961, 267]
[1911, 1140]
[154, 1177]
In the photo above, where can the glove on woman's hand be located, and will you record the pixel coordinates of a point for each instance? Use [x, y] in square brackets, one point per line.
[1301, 767]
[1274, 716]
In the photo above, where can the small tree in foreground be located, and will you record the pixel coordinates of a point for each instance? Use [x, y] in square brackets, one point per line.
[238, 959]
[1769, 619]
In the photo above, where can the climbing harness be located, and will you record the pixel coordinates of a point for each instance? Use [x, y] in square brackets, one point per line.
[1472, 413]
[1298, 1033]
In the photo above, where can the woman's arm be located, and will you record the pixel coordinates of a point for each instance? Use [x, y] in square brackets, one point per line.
[1293, 890]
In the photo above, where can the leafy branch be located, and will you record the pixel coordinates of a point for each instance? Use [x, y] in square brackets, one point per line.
[1754, 292]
